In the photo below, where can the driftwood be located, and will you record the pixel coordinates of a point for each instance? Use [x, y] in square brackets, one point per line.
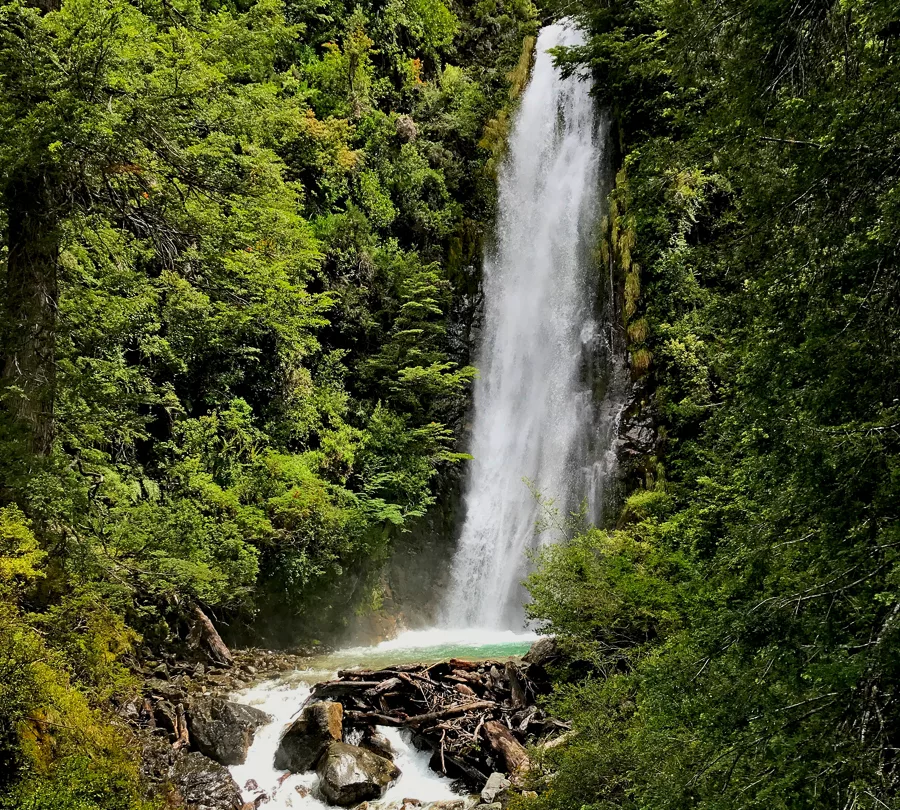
[452, 711]
[516, 687]
[182, 740]
[556, 742]
[500, 738]
[204, 634]
[476, 717]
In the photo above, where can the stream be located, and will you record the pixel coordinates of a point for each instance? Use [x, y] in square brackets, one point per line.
[283, 697]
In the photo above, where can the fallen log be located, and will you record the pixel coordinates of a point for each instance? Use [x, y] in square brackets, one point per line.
[501, 740]
[382, 687]
[354, 718]
[378, 719]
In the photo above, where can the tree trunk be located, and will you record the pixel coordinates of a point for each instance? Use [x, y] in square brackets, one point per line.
[30, 305]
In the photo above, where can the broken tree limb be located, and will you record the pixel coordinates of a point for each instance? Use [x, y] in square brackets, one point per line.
[556, 742]
[381, 688]
[519, 700]
[182, 740]
[335, 690]
[203, 633]
[353, 718]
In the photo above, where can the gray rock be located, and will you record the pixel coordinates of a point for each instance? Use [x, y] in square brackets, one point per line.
[157, 688]
[223, 730]
[496, 784]
[165, 715]
[349, 775]
[406, 128]
[205, 785]
[544, 651]
[491, 806]
[471, 801]
[377, 743]
[309, 735]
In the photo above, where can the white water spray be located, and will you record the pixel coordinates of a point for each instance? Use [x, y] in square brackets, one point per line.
[535, 416]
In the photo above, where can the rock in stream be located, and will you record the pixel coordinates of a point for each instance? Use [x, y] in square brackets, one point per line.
[350, 775]
[223, 730]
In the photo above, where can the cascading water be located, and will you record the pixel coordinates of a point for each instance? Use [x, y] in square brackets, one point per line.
[535, 411]
[547, 405]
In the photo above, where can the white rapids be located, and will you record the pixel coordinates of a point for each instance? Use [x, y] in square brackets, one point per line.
[534, 414]
[282, 699]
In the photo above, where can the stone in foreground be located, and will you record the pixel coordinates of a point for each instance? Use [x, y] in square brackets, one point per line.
[205, 785]
[349, 775]
[495, 786]
[223, 730]
[377, 743]
[309, 735]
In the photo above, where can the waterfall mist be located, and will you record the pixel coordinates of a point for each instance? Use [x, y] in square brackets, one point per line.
[537, 412]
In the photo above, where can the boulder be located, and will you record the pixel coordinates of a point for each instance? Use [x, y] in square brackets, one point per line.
[496, 785]
[544, 651]
[309, 735]
[377, 743]
[223, 730]
[349, 775]
[205, 785]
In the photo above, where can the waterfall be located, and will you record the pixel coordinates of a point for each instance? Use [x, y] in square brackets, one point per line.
[535, 400]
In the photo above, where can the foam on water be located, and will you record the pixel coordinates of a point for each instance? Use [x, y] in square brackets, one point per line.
[468, 638]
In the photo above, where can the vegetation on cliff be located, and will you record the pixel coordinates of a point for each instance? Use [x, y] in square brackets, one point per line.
[734, 640]
[240, 243]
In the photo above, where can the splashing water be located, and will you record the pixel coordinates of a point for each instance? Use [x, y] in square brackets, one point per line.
[535, 413]
[282, 700]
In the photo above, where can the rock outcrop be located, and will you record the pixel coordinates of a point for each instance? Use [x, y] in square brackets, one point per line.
[223, 730]
[495, 788]
[349, 774]
[309, 735]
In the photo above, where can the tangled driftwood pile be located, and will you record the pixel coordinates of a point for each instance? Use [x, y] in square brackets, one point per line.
[476, 717]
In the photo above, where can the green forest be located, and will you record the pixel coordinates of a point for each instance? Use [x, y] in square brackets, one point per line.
[735, 637]
[240, 261]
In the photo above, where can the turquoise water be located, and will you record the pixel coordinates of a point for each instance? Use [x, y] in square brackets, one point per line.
[425, 647]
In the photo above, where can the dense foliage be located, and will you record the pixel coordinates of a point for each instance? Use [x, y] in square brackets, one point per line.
[733, 642]
[239, 255]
